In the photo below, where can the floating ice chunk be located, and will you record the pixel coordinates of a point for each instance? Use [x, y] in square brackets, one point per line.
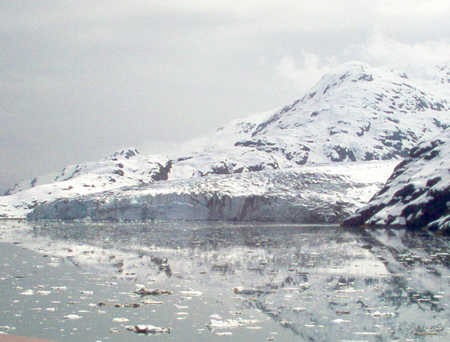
[229, 323]
[366, 333]
[152, 292]
[151, 302]
[27, 293]
[147, 329]
[339, 321]
[7, 327]
[72, 317]
[349, 290]
[383, 314]
[120, 319]
[43, 293]
[86, 293]
[191, 293]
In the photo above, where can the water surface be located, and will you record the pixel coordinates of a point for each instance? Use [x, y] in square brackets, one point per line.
[225, 281]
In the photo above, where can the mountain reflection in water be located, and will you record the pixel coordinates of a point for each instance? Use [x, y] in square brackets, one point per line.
[323, 283]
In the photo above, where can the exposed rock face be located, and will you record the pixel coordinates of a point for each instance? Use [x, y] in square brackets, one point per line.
[418, 192]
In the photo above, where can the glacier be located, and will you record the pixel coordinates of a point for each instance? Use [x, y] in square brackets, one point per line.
[318, 159]
[310, 194]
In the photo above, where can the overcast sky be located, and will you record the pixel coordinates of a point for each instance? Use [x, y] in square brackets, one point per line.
[81, 79]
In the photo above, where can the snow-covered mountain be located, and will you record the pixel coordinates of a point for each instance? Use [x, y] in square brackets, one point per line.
[354, 114]
[124, 168]
[418, 192]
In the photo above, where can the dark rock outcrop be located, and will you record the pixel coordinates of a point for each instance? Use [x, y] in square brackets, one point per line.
[417, 195]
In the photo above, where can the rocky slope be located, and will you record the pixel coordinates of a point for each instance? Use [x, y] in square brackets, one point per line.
[418, 192]
[354, 114]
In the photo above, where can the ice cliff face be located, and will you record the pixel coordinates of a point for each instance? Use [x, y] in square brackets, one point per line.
[418, 192]
[319, 194]
[354, 114]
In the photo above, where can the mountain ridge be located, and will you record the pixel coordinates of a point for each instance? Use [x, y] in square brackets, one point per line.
[344, 117]
[355, 114]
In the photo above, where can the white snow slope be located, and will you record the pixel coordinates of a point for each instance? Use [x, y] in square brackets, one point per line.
[354, 114]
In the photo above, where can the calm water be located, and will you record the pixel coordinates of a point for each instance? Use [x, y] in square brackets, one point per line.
[226, 282]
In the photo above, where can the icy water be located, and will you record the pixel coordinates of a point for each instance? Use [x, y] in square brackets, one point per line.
[222, 282]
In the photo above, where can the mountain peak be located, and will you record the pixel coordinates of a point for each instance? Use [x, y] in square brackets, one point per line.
[354, 113]
[352, 76]
[126, 153]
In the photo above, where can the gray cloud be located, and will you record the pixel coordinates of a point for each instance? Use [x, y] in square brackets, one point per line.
[81, 79]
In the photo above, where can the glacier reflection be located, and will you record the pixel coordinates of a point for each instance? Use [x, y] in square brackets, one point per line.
[324, 283]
